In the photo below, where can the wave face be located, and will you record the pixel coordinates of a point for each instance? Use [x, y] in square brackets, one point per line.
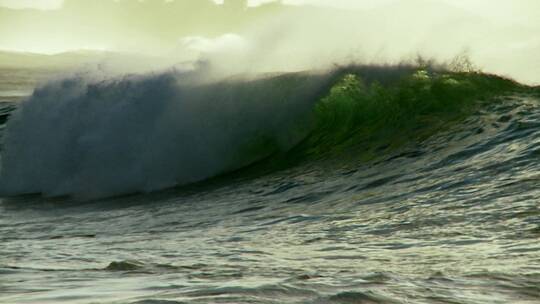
[94, 138]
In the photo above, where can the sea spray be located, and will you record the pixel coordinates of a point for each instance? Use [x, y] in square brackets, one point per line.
[89, 138]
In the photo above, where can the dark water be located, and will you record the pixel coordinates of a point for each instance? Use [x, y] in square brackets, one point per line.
[452, 219]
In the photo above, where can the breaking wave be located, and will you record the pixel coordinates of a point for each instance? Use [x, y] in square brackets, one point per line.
[92, 138]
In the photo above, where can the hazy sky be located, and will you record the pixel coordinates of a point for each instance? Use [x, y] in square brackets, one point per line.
[490, 7]
[41, 4]
[520, 11]
[500, 35]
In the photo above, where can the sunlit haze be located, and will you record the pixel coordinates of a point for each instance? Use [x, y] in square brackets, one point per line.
[499, 36]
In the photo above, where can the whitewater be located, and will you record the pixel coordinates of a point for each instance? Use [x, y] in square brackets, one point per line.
[356, 184]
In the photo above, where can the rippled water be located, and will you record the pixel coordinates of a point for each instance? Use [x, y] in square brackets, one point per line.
[455, 219]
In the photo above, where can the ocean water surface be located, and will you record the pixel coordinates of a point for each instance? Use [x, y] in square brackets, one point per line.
[437, 204]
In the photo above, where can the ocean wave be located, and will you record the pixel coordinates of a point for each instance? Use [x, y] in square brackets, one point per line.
[91, 138]
[94, 138]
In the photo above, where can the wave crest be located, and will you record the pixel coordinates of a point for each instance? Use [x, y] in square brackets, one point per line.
[91, 139]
